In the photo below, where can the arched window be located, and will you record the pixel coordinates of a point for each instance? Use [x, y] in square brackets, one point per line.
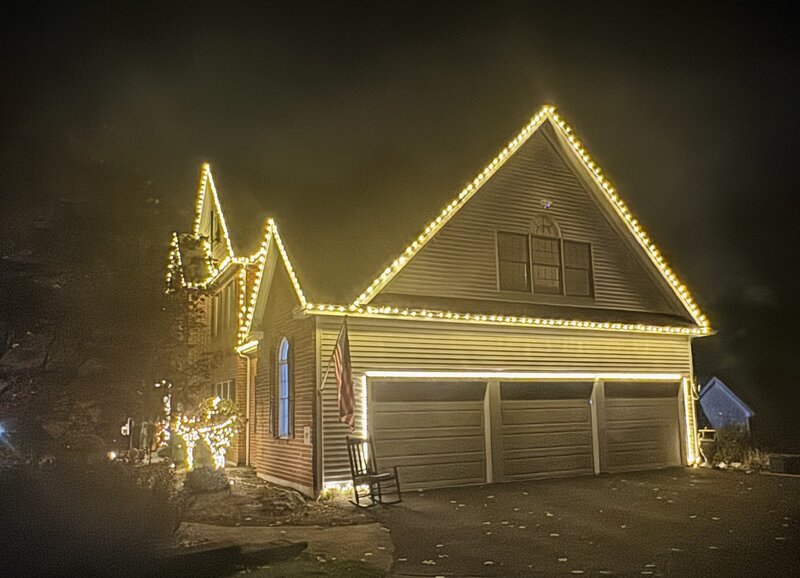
[284, 390]
[546, 255]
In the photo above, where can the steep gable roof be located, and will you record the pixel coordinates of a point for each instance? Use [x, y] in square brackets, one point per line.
[272, 249]
[209, 211]
[195, 261]
[546, 114]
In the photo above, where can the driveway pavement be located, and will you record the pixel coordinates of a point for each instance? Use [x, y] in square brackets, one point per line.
[676, 522]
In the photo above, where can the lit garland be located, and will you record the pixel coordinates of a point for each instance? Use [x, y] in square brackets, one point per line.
[217, 436]
[206, 182]
[261, 256]
[546, 112]
[389, 312]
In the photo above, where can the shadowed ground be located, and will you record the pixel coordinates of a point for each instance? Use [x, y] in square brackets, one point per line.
[675, 522]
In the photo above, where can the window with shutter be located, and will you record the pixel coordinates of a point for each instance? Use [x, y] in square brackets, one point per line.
[513, 262]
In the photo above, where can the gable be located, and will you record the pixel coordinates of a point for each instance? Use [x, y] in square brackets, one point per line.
[210, 221]
[653, 263]
[273, 261]
[460, 263]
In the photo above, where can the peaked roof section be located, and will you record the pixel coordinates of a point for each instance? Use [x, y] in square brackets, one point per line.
[193, 263]
[546, 113]
[203, 198]
[717, 384]
[272, 238]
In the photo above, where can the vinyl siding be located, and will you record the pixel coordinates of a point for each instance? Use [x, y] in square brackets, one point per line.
[377, 344]
[460, 260]
[289, 460]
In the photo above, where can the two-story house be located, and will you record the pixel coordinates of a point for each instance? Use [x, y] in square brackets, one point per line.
[530, 329]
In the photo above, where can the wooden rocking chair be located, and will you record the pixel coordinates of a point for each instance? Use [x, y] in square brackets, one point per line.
[368, 482]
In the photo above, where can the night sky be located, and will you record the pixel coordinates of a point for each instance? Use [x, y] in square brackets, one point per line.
[328, 117]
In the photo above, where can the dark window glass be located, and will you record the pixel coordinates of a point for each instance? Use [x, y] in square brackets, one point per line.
[513, 262]
[578, 269]
[546, 265]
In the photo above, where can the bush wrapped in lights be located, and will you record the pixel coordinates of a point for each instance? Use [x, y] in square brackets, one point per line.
[215, 423]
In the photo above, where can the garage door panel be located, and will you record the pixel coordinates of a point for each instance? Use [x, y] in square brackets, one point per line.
[520, 441]
[642, 430]
[549, 466]
[637, 409]
[544, 435]
[544, 415]
[430, 446]
[424, 476]
[437, 442]
[430, 419]
[428, 432]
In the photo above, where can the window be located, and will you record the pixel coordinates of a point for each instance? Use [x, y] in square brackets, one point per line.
[284, 429]
[513, 262]
[546, 265]
[225, 390]
[543, 263]
[578, 269]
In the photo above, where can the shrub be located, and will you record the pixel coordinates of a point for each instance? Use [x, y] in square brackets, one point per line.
[206, 480]
[733, 444]
[72, 519]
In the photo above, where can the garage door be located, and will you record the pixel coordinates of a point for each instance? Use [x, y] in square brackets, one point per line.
[546, 430]
[433, 431]
[642, 430]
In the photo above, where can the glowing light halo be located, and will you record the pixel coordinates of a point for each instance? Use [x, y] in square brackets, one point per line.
[392, 312]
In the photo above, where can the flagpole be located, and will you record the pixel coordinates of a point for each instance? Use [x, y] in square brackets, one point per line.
[330, 359]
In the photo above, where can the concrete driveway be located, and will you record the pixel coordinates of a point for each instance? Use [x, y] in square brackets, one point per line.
[675, 522]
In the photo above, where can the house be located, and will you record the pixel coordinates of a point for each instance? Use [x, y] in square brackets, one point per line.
[531, 329]
[722, 407]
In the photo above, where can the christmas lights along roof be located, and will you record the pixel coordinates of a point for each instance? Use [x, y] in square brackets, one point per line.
[360, 306]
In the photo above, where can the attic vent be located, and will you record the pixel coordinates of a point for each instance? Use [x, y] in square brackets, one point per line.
[544, 226]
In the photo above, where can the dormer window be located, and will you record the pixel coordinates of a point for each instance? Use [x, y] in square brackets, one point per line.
[543, 262]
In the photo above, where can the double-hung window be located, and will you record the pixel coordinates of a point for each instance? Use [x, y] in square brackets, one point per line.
[544, 263]
[513, 262]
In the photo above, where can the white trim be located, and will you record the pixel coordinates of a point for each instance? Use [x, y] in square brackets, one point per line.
[532, 375]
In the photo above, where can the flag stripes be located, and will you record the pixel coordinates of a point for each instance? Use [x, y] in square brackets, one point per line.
[344, 378]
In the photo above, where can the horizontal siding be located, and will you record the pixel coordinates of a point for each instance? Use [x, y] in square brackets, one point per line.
[395, 345]
[460, 261]
[289, 460]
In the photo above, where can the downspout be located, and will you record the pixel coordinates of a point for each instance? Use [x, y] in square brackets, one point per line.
[247, 410]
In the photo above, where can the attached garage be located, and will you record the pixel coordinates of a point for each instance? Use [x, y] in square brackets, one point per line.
[641, 426]
[433, 431]
[545, 431]
[453, 433]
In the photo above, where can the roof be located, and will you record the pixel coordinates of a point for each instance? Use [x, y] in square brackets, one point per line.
[716, 387]
[338, 269]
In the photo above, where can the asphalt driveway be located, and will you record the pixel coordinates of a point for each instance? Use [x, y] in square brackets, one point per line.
[676, 522]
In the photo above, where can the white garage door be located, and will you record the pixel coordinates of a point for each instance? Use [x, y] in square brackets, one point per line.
[433, 431]
[642, 430]
[546, 430]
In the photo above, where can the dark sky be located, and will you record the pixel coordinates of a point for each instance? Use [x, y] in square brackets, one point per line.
[378, 115]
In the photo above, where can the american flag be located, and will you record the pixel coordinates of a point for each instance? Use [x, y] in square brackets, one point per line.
[344, 378]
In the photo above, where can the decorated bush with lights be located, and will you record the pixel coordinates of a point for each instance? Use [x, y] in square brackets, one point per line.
[215, 424]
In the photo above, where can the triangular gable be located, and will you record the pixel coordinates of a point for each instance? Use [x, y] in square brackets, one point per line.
[209, 219]
[717, 384]
[271, 251]
[618, 206]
